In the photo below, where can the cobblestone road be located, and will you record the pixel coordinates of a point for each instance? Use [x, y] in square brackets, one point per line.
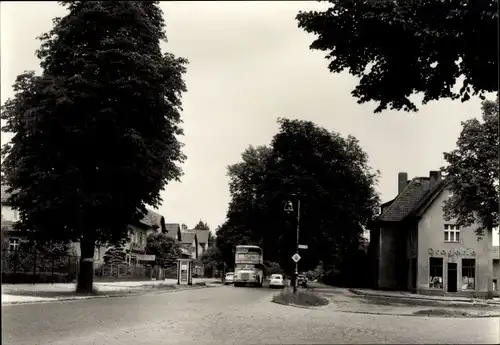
[224, 315]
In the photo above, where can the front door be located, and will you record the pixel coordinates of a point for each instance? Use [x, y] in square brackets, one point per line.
[452, 277]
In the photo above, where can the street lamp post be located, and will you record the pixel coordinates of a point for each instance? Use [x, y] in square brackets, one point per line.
[289, 208]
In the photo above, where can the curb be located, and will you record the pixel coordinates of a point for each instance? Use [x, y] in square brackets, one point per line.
[385, 314]
[412, 315]
[302, 306]
[408, 298]
[134, 293]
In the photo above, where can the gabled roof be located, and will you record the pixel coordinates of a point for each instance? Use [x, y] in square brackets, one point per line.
[152, 219]
[202, 236]
[187, 237]
[172, 227]
[413, 200]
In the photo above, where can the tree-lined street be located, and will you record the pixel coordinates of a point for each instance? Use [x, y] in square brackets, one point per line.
[97, 137]
[225, 315]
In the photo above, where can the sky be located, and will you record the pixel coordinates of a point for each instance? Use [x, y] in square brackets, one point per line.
[249, 65]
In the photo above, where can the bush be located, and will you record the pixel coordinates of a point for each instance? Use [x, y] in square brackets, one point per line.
[302, 298]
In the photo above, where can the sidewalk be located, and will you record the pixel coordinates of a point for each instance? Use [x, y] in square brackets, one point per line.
[28, 293]
[408, 295]
[347, 301]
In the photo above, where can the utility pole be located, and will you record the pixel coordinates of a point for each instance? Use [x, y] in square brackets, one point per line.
[297, 247]
[289, 209]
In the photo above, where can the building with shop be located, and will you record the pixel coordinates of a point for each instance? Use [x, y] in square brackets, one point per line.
[416, 249]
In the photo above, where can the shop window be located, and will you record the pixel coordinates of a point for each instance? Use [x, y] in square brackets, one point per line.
[468, 274]
[436, 273]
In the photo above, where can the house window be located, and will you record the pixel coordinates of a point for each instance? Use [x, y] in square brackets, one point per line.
[140, 237]
[15, 215]
[13, 244]
[451, 233]
[436, 273]
[468, 274]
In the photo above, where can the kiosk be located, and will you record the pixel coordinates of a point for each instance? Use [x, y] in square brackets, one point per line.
[184, 272]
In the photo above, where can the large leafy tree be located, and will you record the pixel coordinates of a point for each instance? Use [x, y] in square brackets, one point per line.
[242, 220]
[473, 172]
[94, 134]
[212, 260]
[332, 180]
[399, 48]
[165, 249]
[336, 188]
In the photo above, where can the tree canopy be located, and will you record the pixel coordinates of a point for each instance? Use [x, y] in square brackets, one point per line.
[473, 172]
[95, 135]
[201, 225]
[165, 248]
[336, 191]
[212, 259]
[400, 48]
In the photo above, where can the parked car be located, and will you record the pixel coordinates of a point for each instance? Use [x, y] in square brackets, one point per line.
[229, 278]
[302, 280]
[276, 281]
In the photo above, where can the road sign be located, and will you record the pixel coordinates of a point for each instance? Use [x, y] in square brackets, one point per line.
[303, 246]
[296, 257]
[146, 257]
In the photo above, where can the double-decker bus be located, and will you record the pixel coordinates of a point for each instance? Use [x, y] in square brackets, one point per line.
[249, 266]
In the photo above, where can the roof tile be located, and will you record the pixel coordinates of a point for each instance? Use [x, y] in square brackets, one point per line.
[187, 237]
[407, 201]
[202, 236]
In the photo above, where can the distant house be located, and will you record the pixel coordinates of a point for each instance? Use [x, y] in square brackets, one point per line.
[189, 242]
[173, 230]
[415, 248]
[194, 243]
[152, 222]
[10, 239]
[202, 239]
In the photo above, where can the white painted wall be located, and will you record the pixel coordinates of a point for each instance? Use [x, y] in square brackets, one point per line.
[9, 214]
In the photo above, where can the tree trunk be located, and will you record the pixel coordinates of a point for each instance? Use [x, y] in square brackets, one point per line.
[86, 273]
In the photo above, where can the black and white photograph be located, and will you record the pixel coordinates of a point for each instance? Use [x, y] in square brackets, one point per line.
[250, 172]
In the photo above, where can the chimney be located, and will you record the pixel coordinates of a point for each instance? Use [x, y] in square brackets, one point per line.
[435, 177]
[402, 181]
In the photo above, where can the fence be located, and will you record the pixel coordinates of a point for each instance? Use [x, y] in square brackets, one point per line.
[126, 272]
[38, 267]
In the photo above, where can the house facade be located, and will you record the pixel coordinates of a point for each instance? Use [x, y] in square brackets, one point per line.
[10, 241]
[416, 249]
[194, 243]
[152, 222]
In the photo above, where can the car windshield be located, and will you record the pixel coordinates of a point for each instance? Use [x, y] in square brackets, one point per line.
[276, 276]
[229, 274]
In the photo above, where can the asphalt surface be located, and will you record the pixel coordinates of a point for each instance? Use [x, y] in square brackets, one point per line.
[224, 315]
